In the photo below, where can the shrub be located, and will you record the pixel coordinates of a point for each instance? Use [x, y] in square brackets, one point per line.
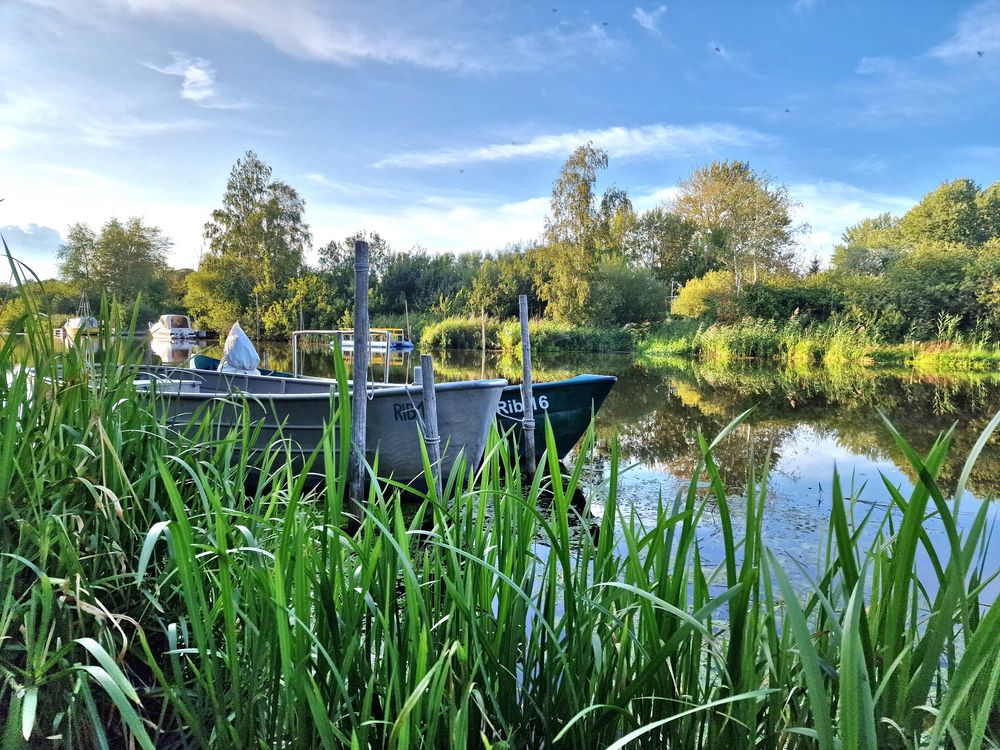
[549, 336]
[621, 295]
[710, 296]
[459, 333]
[751, 338]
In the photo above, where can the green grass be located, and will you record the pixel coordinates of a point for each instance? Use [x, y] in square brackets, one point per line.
[829, 344]
[550, 336]
[152, 595]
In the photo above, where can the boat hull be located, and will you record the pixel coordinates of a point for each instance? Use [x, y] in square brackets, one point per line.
[568, 405]
[296, 411]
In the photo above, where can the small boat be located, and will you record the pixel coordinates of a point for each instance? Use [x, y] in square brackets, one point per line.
[84, 323]
[380, 340]
[569, 404]
[172, 327]
[299, 409]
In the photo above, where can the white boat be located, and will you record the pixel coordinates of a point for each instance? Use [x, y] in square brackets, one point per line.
[84, 322]
[172, 327]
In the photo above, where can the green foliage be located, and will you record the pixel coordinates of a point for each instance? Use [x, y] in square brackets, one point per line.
[869, 246]
[552, 336]
[742, 214]
[711, 296]
[460, 333]
[784, 297]
[670, 246]
[626, 295]
[257, 241]
[947, 214]
[751, 338]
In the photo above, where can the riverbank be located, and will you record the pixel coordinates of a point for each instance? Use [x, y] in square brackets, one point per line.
[829, 345]
[505, 335]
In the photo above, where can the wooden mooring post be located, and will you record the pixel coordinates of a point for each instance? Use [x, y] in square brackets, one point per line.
[432, 436]
[528, 421]
[359, 394]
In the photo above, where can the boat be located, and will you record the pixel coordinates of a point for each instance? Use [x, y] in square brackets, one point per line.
[172, 326]
[568, 404]
[298, 410]
[84, 323]
[380, 340]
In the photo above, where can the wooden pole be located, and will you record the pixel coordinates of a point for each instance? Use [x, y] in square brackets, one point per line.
[431, 434]
[528, 422]
[359, 395]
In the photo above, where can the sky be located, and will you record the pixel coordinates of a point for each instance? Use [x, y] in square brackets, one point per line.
[443, 124]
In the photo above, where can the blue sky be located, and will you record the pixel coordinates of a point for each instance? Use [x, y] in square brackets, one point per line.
[443, 124]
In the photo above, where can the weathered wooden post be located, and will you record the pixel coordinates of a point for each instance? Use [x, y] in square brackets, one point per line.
[528, 422]
[359, 394]
[432, 437]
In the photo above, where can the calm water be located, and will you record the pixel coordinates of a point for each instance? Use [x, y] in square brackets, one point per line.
[812, 420]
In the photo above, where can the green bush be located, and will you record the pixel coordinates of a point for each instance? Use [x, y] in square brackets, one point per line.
[712, 296]
[622, 295]
[459, 333]
[549, 336]
[751, 338]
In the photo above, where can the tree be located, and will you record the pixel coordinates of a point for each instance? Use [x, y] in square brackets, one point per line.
[574, 232]
[260, 233]
[338, 257]
[743, 214]
[869, 246]
[947, 214]
[670, 246]
[988, 206]
[122, 261]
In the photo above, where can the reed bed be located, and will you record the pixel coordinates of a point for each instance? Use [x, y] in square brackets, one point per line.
[163, 589]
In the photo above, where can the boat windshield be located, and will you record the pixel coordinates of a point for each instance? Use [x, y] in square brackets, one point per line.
[175, 321]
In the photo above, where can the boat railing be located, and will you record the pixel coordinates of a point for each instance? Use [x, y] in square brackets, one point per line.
[379, 340]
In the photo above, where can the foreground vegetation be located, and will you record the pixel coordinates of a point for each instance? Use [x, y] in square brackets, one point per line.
[150, 599]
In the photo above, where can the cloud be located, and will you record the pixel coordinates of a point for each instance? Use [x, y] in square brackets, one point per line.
[441, 224]
[33, 245]
[438, 38]
[649, 20]
[977, 34]
[658, 140]
[198, 76]
[829, 207]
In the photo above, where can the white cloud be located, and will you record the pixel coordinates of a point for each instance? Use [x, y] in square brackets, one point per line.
[197, 74]
[437, 38]
[649, 20]
[977, 34]
[658, 140]
[438, 223]
[828, 208]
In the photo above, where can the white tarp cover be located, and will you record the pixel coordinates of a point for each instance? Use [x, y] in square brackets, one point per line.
[238, 354]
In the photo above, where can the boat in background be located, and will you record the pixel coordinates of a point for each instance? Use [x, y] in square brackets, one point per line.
[172, 327]
[380, 340]
[84, 323]
[569, 405]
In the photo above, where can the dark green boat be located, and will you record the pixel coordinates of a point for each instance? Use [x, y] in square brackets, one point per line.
[569, 405]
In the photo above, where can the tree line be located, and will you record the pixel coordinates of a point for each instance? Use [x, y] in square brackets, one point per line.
[724, 248]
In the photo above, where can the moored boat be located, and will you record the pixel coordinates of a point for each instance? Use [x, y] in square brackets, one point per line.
[569, 404]
[172, 327]
[297, 410]
[84, 322]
